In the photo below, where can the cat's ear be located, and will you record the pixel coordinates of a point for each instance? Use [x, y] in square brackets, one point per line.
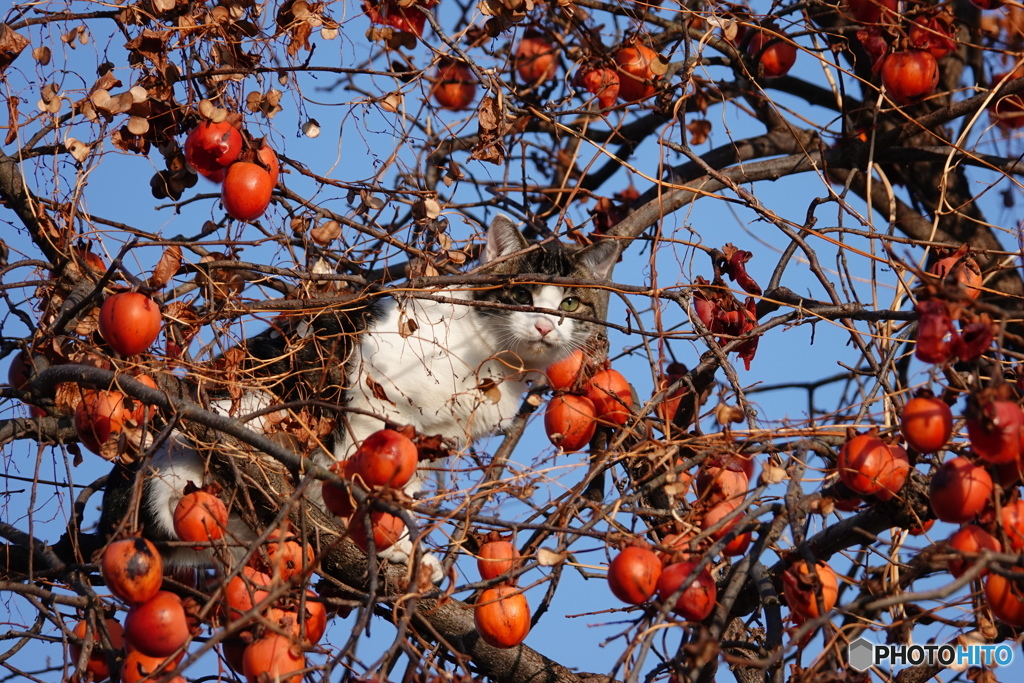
[599, 258]
[503, 238]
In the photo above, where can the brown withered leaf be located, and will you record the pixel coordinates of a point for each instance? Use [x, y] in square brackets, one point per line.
[11, 45]
[149, 45]
[167, 267]
[126, 141]
[378, 390]
[184, 315]
[490, 389]
[699, 130]
[300, 38]
[489, 116]
[12, 119]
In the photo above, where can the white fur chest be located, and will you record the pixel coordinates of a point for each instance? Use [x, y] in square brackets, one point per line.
[435, 366]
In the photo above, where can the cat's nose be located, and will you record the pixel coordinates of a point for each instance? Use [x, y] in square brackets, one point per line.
[543, 326]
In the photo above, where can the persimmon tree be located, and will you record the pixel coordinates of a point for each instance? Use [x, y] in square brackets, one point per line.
[818, 366]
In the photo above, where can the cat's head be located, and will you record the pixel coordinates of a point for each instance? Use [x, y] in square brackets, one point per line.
[541, 337]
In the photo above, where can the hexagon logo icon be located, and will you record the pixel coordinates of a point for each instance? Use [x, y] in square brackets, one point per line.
[861, 654]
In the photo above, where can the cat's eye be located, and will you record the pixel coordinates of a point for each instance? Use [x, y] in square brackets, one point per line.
[521, 295]
[570, 304]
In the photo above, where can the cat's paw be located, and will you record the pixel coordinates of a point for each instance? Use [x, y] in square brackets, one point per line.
[400, 553]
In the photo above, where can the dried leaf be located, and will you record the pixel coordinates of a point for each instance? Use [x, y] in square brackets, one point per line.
[311, 128]
[549, 558]
[489, 116]
[491, 391]
[407, 327]
[12, 119]
[426, 209]
[42, 55]
[11, 45]
[137, 125]
[326, 232]
[699, 130]
[377, 390]
[77, 149]
[167, 267]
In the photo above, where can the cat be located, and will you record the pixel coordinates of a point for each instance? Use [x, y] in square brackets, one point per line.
[453, 362]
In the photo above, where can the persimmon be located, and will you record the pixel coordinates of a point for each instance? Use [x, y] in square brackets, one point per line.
[454, 85]
[994, 429]
[803, 591]
[502, 616]
[602, 82]
[910, 75]
[959, 490]
[245, 590]
[964, 271]
[717, 482]
[497, 556]
[97, 664]
[1005, 597]
[536, 58]
[570, 421]
[871, 11]
[311, 626]
[132, 569]
[926, 423]
[636, 76]
[861, 460]
[157, 627]
[273, 657]
[1007, 111]
[337, 499]
[200, 517]
[286, 558]
[246, 191]
[697, 598]
[1012, 520]
[267, 157]
[970, 539]
[99, 417]
[212, 147]
[718, 512]
[775, 55]
[894, 473]
[569, 373]
[138, 666]
[387, 530]
[633, 574]
[612, 396]
[129, 322]
[385, 458]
